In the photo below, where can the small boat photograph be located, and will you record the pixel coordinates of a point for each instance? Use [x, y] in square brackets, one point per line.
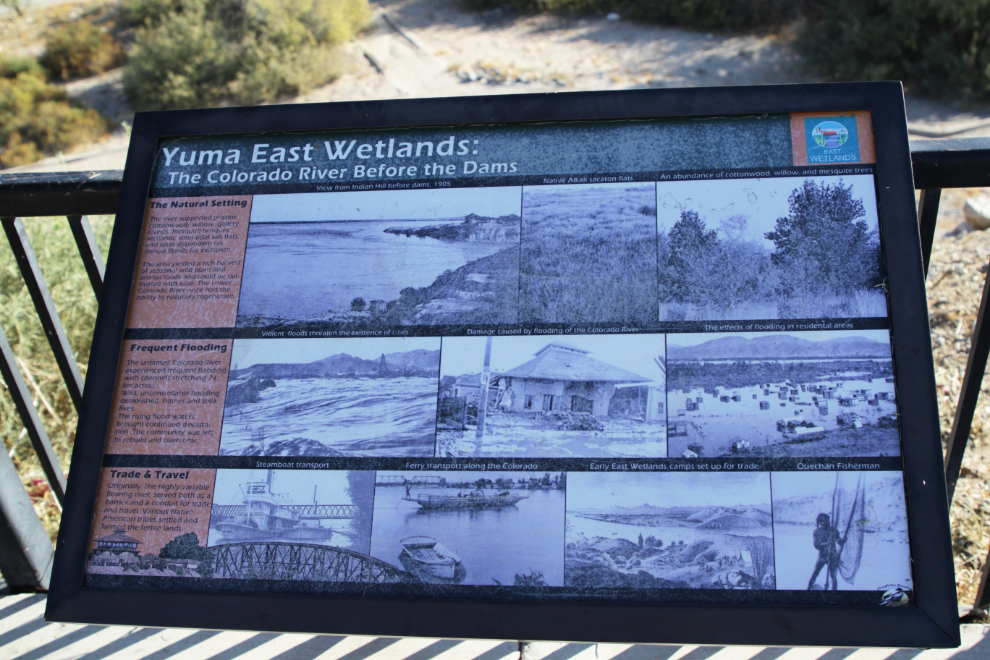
[425, 555]
[473, 500]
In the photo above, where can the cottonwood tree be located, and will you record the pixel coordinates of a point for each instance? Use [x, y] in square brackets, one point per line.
[823, 245]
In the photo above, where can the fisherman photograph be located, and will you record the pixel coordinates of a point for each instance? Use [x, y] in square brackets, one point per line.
[840, 531]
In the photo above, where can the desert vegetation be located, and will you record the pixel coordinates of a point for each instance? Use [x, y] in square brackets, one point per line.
[588, 254]
[37, 118]
[825, 262]
[198, 53]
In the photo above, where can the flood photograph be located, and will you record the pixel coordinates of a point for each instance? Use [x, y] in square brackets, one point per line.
[669, 531]
[382, 258]
[332, 397]
[820, 393]
[773, 248]
[589, 254]
[841, 531]
[553, 397]
[477, 528]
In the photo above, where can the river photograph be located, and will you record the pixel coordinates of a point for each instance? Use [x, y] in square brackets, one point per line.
[401, 257]
[669, 531]
[475, 528]
[332, 397]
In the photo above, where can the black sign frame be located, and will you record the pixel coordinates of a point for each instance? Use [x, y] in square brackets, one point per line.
[930, 620]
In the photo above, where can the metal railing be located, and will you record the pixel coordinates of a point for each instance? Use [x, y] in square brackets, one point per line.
[25, 551]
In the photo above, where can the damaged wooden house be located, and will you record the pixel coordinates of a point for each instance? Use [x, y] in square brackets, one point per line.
[565, 378]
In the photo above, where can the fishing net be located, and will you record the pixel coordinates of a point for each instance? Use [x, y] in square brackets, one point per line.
[849, 518]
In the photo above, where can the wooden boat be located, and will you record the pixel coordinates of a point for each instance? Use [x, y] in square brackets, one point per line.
[430, 556]
[475, 500]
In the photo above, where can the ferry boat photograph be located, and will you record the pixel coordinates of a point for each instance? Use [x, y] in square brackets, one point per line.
[306, 507]
[473, 528]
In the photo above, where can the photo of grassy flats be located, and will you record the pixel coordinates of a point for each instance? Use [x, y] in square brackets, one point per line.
[785, 248]
[588, 254]
[827, 393]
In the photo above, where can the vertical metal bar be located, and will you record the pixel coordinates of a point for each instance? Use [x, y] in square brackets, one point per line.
[26, 553]
[89, 250]
[927, 215]
[35, 281]
[983, 594]
[966, 407]
[32, 422]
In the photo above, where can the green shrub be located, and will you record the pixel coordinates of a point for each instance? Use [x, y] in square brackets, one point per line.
[699, 14]
[11, 65]
[37, 118]
[142, 13]
[937, 47]
[81, 49]
[210, 52]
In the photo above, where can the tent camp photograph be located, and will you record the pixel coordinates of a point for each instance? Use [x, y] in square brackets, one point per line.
[579, 396]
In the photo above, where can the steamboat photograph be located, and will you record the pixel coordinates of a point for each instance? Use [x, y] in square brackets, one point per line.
[324, 507]
[824, 393]
[477, 528]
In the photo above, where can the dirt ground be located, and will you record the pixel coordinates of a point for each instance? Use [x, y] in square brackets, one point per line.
[432, 48]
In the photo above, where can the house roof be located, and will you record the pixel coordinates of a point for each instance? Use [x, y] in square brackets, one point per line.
[118, 537]
[561, 361]
[472, 380]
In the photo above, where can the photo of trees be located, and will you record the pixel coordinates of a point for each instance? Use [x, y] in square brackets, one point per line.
[782, 248]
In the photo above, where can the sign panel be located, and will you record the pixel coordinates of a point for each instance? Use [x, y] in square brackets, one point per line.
[587, 361]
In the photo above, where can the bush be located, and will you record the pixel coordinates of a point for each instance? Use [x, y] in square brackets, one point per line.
[81, 49]
[938, 47]
[37, 118]
[209, 52]
[11, 65]
[700, 14]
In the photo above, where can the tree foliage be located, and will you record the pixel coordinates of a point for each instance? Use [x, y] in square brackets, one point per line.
[824, 244]
[187, 547]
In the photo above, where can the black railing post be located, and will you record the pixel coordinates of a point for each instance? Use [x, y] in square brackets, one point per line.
[927, 215]
[89, 250]
[26, 553]
[32, 422]
[968, 396]
[34, 279]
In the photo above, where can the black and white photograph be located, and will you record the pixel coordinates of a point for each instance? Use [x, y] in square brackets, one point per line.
[382, 258]
[818, 393]
[776, 248]
[588, 254]
[480, 528]
[552, 396]
[669, 531]
[295, 525]
[332, 397]
[841, 531]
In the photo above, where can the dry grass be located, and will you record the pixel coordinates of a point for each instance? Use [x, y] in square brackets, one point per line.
[74, 299]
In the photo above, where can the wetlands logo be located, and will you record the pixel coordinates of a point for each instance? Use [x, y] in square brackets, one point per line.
[832, 141]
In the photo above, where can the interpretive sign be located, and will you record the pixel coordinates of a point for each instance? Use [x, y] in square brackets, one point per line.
[603, 367]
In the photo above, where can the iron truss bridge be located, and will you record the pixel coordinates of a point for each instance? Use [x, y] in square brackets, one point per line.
[272, 560]
[306, 511]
